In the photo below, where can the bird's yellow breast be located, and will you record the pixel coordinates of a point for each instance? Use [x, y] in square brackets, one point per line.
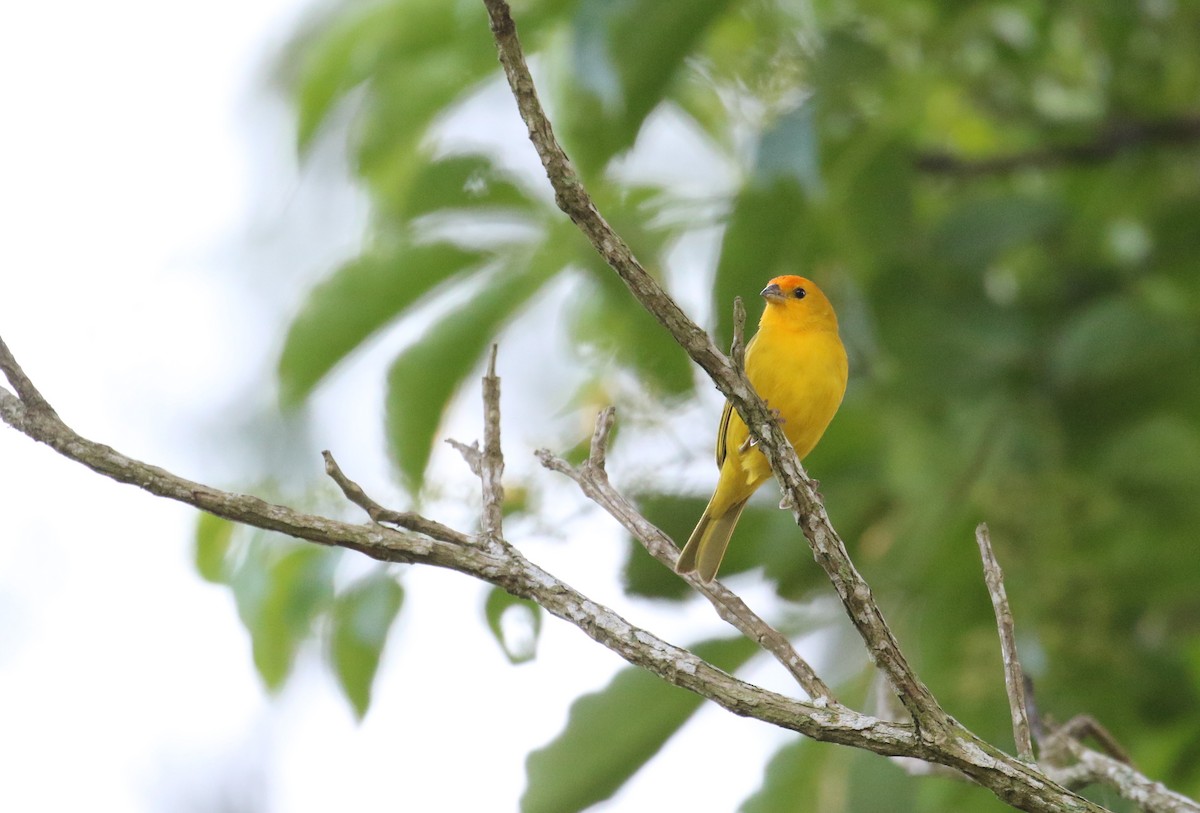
[801, 373]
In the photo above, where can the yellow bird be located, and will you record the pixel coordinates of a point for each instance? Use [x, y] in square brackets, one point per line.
[797, 364]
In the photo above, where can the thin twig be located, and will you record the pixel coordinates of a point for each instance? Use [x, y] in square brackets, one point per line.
[1085, 726]
[1014, 680]
[598, 449]
[471, 454]
[491, 466]
[404, 519]
[737, 350]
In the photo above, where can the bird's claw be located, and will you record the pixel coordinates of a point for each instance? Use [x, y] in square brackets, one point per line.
[774, 412]
[751, 442]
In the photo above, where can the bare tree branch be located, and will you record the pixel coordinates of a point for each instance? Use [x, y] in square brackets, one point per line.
[1066, 760]
[1014, 677]
[404, 519]
[491, 466]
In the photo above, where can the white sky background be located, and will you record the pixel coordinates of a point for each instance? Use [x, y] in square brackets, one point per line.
[154, 236]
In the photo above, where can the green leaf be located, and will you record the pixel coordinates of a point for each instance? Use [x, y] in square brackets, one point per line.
[406, 102]
[610, 734]
[213, 538]
[519, 647]
[281, 588]
[807, 775]
[361, 297]
[340, 58]
[461, 182]
[362, 617]
[793, 779]
[626, 56]
[424, 378]
[605, 319]
[428, 41]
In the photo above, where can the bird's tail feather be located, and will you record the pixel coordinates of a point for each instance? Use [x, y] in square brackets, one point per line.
[706, 547]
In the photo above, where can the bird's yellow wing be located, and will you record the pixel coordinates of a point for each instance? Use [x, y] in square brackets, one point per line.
[723, 427]
[722, 433]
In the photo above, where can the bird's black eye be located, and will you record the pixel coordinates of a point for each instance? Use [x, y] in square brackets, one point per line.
[799, 293]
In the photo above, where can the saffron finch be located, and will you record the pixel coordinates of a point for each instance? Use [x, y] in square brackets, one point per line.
[797, 364]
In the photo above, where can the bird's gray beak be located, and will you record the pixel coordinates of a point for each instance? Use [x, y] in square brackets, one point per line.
[773, 291]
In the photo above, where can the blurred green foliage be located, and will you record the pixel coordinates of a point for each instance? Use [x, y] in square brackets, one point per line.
[288, 593]
[611, 733]
[990, 193]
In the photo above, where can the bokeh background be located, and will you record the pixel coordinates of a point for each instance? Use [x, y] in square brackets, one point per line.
[244, 234]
